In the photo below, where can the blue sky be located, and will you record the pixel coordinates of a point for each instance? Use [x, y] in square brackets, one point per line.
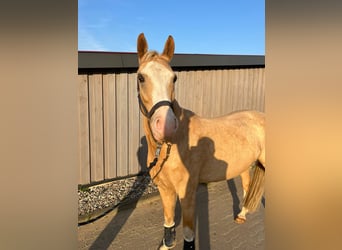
[198, 27]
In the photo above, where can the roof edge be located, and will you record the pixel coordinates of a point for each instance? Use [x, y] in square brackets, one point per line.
[115, 60]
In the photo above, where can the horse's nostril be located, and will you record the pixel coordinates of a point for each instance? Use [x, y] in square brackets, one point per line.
[158, 123]
[176, 123]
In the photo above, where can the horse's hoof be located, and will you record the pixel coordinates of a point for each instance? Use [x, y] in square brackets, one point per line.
[169, 240]
[240, 220]
[163, 247]
[189, 245]
[166, 247]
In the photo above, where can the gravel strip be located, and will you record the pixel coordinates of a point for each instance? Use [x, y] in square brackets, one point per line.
[98, 199]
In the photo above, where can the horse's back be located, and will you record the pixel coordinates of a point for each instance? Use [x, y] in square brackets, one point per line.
[251, 116]
[233, 142]
[236, 122]
[247, 125]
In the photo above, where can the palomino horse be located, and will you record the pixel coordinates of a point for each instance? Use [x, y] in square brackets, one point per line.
[185, 149]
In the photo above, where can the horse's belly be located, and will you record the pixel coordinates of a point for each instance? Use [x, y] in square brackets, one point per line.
[218, 169]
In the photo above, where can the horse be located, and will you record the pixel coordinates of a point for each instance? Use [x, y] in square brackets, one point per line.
[185, 149]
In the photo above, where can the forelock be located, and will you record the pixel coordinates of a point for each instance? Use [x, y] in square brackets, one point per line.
[150, 55]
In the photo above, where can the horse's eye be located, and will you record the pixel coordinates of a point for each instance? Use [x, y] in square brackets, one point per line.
[174, 78]
[141, 78]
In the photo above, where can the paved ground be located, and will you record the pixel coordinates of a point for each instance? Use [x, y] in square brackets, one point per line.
[140, 225]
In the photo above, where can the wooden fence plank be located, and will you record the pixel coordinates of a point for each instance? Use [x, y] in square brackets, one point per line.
[229, 91]
[122, 124]
[83, 130]
[133, 125]
[206, 94]
[197, 101]
[218, 102]
[261, 89]
[240, 89]
[236, 89]
[225, 90]
[109, 118]
[96, 127]
[180, 82]
[251, 89]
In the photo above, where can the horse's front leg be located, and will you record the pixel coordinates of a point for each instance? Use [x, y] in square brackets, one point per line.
[169, 198]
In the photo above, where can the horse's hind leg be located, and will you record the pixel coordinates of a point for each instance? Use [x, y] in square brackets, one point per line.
[245, 178]
[254, 193]
[188, 212]
[241, 218]
[169, 199]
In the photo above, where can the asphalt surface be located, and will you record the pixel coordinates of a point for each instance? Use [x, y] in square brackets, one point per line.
[139, 225]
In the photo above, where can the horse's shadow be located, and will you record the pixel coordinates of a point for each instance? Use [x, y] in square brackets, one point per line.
[236, 201]
[207, 145]
[108, 235]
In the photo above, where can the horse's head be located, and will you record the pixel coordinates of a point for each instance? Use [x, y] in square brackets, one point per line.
[156, 88]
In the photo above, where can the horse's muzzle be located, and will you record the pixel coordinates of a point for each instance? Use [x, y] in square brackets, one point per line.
[163, 124]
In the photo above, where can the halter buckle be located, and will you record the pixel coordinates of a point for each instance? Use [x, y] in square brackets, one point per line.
[158, 149]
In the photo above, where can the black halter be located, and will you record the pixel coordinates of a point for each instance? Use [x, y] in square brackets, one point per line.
[150, 113]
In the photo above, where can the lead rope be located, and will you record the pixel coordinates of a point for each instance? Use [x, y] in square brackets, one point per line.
[156, 157]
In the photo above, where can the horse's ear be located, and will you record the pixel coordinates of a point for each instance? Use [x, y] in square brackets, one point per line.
[142, 46]
[169, 48]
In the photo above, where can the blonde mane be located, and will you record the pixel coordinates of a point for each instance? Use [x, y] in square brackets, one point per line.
[150, 55]
[154, 56]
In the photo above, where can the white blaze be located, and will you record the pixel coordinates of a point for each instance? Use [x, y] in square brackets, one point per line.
[163, 122]
[160, 78]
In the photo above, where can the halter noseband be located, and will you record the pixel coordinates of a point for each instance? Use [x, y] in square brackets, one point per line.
[150, 113]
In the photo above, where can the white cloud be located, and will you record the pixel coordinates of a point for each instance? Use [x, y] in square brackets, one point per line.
[87, 41]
